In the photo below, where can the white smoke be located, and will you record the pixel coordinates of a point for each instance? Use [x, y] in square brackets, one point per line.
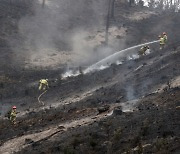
[134, 56]
[129, 106]
[76, 27]
[70, 73]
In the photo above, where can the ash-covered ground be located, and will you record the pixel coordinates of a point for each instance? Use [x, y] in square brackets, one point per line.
[129, 107]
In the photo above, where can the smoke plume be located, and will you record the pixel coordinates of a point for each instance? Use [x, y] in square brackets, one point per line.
[75, 27]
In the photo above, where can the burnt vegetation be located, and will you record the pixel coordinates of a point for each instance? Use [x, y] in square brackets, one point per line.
[131, 107]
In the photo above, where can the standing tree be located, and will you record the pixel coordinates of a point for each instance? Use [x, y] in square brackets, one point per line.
[141, 3]
[43, 3]
[165, 4]
[107, 22]
[131, 2]
[151, 3]
[112, 8]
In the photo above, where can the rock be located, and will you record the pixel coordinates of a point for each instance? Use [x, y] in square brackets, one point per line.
[103, 108]
[178, 107]
[118, 37]
[22, 104]
[35, 144]
[32, 113]
[94, 117]
[117, 110]
[28, 141]
[61, 127]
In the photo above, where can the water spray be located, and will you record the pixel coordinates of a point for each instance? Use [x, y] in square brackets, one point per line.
[106, 62]
[114, 57]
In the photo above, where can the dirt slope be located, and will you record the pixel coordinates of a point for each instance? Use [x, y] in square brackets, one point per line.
[140, 98]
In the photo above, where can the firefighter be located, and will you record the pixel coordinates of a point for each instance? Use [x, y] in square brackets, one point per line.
[161, 42]
[143, 50]
[165, 37]
[13, 115]
[43, 84]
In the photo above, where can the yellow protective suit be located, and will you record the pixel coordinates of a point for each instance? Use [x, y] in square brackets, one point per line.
[161, 42]
[13, 116]
[165, 38]
[43, 84]
[143, 49]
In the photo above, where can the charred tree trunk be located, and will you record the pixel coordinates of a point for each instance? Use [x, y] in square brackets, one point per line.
[112, 8]
[43, 3]
[131, 2]
[107, 22]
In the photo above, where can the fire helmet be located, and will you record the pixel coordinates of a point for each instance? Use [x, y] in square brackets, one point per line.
[14, 107]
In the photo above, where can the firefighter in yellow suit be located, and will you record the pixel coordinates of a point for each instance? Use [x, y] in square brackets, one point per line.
[161, 42]
[13, 115]
[43, 84]
[165, 37]
[143, 50]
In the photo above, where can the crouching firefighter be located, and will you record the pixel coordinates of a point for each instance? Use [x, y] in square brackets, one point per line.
[43, 84]
[143, 50]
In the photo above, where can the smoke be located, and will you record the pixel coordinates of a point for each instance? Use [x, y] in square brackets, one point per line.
[62, 25]
[130, 93]
[129, 106]
[115, 58]
[76, 27]
[89, 48]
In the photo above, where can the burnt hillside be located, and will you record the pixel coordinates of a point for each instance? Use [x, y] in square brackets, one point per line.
[128, 106]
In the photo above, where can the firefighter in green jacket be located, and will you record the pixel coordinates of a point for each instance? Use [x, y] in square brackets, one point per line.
[13, 115]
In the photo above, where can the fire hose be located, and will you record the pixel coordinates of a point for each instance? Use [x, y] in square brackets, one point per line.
[41, 102]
